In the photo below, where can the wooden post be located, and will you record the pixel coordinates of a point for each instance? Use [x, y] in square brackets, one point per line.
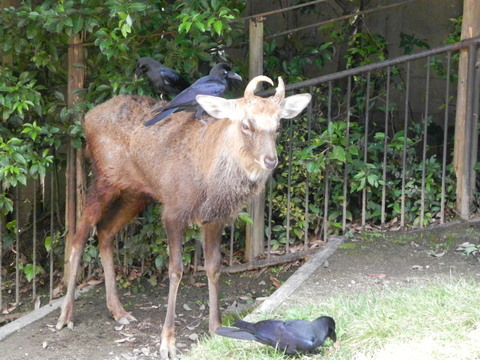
[255, 239]
[466, 121]
[76, 77]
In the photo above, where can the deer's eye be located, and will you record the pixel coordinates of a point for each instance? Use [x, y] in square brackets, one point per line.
[245, 127]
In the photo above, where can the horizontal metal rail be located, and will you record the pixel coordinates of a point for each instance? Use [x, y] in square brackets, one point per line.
[380, 65]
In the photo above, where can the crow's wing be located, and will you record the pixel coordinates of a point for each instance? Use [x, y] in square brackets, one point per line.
[275, 333]
[188, 96]
[170, 77]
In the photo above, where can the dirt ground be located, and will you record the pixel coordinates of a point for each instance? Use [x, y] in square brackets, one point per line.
[372, 260]
[378, 262]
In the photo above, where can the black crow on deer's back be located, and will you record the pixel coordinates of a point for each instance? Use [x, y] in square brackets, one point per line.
[295, 336]
[214, 84]
[163, 79]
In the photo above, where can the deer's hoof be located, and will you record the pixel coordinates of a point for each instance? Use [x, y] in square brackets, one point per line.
[62, 323]
[168, 350]
[126, 319]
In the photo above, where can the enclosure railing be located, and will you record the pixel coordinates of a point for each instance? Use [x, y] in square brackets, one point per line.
[364, 155]
[374, 150]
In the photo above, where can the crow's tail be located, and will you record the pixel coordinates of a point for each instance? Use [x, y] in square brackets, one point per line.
[162, 115]
[234, 333]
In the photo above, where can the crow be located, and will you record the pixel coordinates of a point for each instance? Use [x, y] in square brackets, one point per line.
[291, 337]
[163, 79]
[214, 84]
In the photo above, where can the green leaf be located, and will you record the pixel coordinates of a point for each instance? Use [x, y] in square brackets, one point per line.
[244, 216]
[215, 4]
[312, 166]
[200, 26]
[48, 243]
[185, 27]
[129, 20]
[338, 153]
[159, 261]
[218, 27]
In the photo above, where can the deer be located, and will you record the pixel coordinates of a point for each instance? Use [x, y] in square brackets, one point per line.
[200, 173]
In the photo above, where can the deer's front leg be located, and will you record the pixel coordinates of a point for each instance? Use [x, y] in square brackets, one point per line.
[175, 270]
[212, 234]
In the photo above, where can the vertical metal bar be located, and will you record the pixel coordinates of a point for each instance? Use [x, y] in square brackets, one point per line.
[326, 193]
[405, 135]
[270, 216]
[365, 152]
[385, 148]
[34, 240]
[347, 145]
[17, 247]
[445, 140]
[424, 152]
[232, 237]
[307, 177]
[290, 152]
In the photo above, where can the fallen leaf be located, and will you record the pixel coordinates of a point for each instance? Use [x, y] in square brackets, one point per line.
[186, 307]
[435, 254]
[94, 282]
[130, 339]
[199, 285]
[275, 281]
[379, 276]
[193, 336]
[45, 344]
[133, 274]
[194, 325]
[57, 291]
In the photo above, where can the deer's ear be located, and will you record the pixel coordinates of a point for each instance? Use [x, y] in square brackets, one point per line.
[220, 108]
[293, 105]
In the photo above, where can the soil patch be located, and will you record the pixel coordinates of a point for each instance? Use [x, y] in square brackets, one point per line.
[371, 261]
[381, 261]
[97, 336]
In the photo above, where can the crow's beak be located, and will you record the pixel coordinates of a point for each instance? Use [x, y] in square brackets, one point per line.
[233, 75]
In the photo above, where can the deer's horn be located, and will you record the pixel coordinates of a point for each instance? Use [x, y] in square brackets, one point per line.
[252, 85]
[280, 93]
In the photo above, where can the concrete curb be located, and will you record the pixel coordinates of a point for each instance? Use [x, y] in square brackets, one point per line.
[35, 315]
[297, 279]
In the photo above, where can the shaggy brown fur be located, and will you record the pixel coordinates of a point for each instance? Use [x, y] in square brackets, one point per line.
[201, 174]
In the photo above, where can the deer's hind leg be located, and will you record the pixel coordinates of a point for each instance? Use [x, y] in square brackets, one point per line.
[122, 211]
[99, 199]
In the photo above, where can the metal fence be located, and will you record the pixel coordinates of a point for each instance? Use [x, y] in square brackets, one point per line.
[374, 151]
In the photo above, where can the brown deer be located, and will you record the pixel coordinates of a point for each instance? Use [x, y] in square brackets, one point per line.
[202, 174]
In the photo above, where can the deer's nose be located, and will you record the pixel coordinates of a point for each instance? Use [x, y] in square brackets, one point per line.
[270, 162]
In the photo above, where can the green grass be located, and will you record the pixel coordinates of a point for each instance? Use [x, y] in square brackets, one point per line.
[435, 321]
